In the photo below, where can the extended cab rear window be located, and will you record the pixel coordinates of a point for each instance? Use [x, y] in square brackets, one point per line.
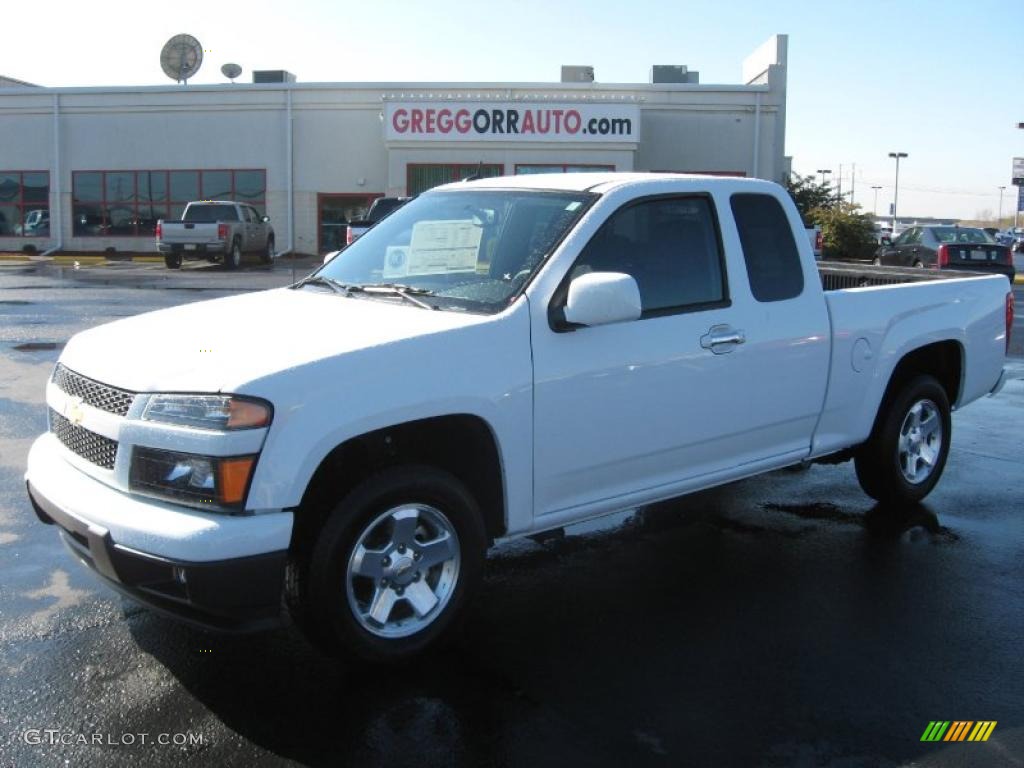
[769, 250]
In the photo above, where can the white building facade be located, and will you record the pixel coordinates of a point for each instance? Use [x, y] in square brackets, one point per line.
[93, 169]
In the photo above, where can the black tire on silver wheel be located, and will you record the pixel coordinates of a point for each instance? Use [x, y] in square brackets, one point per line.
[395, 565]
[172, 260]
[233, 258]
[904, 457]
[918, 264]
[878, 261]
[267, 256]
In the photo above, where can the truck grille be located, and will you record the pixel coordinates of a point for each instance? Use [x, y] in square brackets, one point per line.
[102, 396]
[98, 449]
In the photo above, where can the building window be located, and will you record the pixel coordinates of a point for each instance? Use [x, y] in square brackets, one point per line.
[130, 202]
[522, 168]
[25, 203]
[423, 176]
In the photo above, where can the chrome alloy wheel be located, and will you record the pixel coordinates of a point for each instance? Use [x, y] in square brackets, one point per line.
[403, 570]
[920, 441]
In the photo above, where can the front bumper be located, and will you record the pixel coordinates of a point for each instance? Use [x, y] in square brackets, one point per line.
[218, 571]
[236, 595]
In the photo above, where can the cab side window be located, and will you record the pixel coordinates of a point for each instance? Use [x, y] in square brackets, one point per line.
[670, 246]
[769, 250]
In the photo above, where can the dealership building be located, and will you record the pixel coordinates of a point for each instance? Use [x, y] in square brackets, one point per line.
[93, 169]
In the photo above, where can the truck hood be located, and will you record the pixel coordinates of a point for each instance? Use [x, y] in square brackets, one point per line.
[224, 344]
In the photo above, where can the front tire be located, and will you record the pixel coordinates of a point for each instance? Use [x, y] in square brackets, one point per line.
[904, 457]
[395, 565]
[267, 256]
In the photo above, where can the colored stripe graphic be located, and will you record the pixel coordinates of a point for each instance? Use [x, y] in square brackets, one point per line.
[958, 730]
[935, 730]
[982, 730]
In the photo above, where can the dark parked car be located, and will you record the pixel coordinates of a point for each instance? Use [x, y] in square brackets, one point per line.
[938, 247]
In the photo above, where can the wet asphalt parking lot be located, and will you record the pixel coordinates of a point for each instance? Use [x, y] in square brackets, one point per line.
[781, 621]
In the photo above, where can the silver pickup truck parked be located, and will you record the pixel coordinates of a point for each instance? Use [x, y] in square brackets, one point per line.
[216, 230]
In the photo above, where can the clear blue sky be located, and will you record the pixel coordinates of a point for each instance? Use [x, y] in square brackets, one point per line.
[941, 80]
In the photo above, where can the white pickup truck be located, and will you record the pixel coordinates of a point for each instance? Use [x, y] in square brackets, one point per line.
[495, 359]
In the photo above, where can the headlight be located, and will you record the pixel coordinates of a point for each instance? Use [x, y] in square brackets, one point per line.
[200, 481]
[209, 411]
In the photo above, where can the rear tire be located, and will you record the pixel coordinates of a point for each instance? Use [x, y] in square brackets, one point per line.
[904, 457]
[394, 567]
[172, 260]
[233, 258]
[878, 261]
[918, 264]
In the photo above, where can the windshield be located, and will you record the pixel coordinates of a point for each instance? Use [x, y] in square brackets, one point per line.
[467, 249]
[961, 235]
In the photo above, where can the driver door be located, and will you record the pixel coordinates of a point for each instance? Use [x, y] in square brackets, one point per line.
[631, 406]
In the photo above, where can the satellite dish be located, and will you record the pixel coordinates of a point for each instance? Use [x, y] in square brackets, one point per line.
[231, 71]
[181, 57]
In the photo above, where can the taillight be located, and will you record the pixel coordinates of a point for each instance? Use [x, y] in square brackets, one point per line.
[818, 241]
[1009, 319]
[222, 231]
[349, 238]
[159, 230]
[943, 257]
[1007, 256]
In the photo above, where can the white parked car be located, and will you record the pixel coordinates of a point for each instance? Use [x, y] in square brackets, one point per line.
[495, 359]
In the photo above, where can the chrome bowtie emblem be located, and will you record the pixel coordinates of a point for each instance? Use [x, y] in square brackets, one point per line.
[73, 412]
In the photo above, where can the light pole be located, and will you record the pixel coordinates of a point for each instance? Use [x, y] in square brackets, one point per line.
[823, 171]
[999, 221]
[874, 208]
[896, 189]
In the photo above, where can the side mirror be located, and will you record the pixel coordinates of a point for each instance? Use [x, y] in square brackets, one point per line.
[266, 219]
[600, 298]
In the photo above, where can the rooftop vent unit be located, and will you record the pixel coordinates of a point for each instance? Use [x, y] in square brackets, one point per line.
[673, 73]
[571, 74]
[272, 76]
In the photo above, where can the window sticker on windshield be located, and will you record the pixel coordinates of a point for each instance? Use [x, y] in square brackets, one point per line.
[573, 205]
[437, 247]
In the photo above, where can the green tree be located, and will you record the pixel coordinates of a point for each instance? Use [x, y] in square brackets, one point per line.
[810, 196]
[846, 232]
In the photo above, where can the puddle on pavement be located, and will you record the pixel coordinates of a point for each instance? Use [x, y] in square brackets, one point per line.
[880, 520]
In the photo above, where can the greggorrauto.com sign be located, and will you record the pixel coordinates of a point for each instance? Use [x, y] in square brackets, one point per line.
[516, 121]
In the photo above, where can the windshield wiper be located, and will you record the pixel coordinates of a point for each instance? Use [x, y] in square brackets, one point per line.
[334, 285]
[407, 292]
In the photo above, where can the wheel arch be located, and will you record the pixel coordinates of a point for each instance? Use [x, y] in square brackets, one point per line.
[942, 359]
[463, 444]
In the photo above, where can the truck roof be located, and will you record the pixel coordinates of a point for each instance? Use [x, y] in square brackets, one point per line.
[598, 182]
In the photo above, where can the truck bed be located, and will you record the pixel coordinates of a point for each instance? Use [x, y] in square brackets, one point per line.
[837, 275]
[879, 314]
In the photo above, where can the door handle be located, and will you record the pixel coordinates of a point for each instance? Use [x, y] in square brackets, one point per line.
[721, 339]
